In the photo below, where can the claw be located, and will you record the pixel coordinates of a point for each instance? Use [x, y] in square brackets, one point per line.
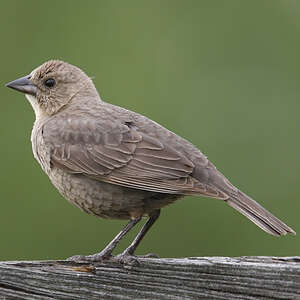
[132, 260]
[98, 257]
[127, 260]
[76, 258]
[150, 255]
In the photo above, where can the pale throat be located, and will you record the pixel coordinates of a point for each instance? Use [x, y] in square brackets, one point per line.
[37, 110]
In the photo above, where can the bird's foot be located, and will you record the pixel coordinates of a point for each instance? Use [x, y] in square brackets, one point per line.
[124, 258]
[149, 255]
[98, 257]
[130, 259]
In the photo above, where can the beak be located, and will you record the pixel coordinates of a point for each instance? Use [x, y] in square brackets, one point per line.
[23, 85]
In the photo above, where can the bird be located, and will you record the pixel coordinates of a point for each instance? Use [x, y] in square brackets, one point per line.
[114, 163]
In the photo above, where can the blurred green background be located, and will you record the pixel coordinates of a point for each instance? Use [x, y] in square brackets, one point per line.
[223, 74]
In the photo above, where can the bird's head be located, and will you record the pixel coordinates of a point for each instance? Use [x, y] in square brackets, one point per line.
[54, 84]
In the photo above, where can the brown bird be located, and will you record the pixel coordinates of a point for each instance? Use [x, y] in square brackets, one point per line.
[115, 163]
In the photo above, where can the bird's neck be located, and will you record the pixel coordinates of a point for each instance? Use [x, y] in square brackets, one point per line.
[39, 113]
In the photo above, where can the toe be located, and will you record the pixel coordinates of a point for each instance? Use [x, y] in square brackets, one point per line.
[126, 259]
[77, 258]
[98, 257]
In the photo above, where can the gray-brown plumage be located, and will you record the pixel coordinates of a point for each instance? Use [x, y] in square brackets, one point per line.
[115, 163]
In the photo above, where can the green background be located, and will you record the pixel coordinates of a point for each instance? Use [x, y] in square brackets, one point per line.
[223, 74]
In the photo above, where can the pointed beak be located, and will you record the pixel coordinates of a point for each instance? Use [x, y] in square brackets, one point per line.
[23, 85]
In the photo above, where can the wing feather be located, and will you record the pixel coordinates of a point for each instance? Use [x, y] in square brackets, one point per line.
[113, 152]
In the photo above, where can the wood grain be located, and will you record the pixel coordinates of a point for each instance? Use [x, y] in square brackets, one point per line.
[188, 278]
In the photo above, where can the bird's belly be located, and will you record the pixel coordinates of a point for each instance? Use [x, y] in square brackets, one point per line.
[107, 200]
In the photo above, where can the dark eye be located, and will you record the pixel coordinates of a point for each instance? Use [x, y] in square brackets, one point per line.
[49, 82]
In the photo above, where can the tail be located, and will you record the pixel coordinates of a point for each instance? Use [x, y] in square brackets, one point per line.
[257, 214]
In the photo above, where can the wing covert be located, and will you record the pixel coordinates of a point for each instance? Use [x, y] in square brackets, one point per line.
[116, 153]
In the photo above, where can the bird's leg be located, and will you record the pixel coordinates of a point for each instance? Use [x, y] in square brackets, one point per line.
[131, 249]
[106, 253]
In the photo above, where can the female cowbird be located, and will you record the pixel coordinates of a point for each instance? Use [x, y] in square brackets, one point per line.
[115, 163]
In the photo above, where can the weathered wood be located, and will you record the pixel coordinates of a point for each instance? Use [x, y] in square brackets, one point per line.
[189, 278]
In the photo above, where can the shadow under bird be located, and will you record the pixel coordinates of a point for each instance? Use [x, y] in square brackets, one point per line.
[115, 163]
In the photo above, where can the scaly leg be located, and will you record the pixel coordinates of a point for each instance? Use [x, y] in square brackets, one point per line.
[106, 253]
[131, 249]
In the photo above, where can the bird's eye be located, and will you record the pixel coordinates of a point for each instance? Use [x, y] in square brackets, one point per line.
[50, 82]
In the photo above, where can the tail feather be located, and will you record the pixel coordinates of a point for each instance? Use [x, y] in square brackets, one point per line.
[257, 214]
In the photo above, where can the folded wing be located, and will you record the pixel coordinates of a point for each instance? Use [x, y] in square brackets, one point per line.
[114, 152]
